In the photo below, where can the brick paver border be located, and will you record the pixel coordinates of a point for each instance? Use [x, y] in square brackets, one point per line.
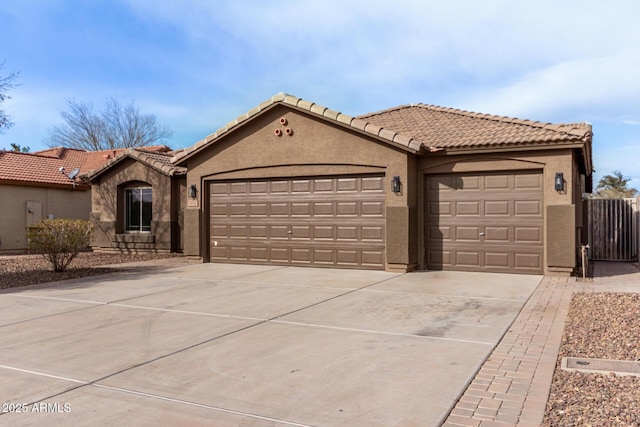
[512, 386]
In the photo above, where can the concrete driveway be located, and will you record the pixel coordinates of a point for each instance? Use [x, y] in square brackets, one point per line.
[246, 345]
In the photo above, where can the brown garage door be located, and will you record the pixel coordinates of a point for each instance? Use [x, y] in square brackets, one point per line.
[320, 221]
[485, 222]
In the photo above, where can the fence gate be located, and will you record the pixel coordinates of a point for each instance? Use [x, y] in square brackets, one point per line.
[613, 229]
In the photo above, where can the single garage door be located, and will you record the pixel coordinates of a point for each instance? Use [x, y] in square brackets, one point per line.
[485, 222]
[321, 221]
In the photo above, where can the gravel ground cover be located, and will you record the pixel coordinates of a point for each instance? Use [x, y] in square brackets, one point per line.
[23, 270]
[602, 326]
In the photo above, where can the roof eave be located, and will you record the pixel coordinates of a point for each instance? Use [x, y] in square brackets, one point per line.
[515, 147]
[343, 120]
[69, 186]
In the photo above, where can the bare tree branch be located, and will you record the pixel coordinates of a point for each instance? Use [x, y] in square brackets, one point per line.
[6, 83]
[115, 127]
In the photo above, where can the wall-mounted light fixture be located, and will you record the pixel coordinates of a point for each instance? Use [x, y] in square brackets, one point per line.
[395, 184]
[193, 191]
[559, 181]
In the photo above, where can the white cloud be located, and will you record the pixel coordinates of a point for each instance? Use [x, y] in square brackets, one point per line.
[600, 87]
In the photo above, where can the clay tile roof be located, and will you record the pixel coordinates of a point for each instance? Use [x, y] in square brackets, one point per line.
[27, 168]
[447, 128]
[43, 167]
[158, 159]
[422, 126]
[390, 135]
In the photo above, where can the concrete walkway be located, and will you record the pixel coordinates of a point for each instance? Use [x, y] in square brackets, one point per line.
[512, 386]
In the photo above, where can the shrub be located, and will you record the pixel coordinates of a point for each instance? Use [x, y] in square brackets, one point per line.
[59, 240]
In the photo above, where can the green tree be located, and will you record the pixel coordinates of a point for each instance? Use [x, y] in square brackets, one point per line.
[18, 148]
[59, 240]
[614, 186]
[6, 83]
[116, 126]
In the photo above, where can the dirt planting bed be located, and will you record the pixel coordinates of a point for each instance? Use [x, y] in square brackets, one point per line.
[23, 270]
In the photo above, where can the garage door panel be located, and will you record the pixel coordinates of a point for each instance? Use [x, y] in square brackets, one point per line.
[220, 210]
[528, 261]
[372, 234]
[439, 258]
[468, 233]
[440, 233]
[258, 209]
[468, 208]
[497, 182]
[301, 209]
[528, 234]
[497, 207]
[528, 182]
[301, 232]
[372, 258]
[468, 258]
[333, 221]
[347, 233]
[323, 232]
[372, 209]
[324, 256]
[373, 184]
[279, 254]
[495, 224]
[497, 260]
[301, 255]
[238, 188]
[239, 253]
[346, 257]
[347, 185]
[258, 254]
[301, 186]
[497, 234]
[528, 207]
[467, 183]
[347, 208]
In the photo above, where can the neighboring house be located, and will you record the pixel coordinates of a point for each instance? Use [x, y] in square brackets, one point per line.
[414, 187]
[44, 184]
[138, 200]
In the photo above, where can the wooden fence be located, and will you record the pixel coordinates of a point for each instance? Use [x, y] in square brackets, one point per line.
[613, 229]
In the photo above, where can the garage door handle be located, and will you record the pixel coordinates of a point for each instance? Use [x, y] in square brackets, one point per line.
[482, 234]
[289, 232]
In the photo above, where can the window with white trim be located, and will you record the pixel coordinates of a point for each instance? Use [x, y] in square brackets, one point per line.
[138, 209]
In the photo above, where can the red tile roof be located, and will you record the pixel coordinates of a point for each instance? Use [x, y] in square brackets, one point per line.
[447, 128]
[423, 128]
[158, 160]
[44, 167]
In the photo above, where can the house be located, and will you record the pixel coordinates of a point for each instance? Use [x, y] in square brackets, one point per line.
[413, 187]
[44, 184]
[138, 200]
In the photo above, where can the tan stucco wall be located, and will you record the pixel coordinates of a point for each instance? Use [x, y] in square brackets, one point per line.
[107, 209]
[549, 162]
[14, 215]
[315, 148]
[318, 147]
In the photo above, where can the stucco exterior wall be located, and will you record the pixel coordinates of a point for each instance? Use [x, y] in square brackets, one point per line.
[107, 209]
[548, 162]
[316, 148]
[17, 200]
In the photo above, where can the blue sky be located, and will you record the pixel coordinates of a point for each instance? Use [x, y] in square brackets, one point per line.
[197, 65]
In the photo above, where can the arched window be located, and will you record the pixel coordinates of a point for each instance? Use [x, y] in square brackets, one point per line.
[138, 209]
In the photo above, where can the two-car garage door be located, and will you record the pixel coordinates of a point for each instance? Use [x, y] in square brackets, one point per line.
[485, 222]
[335, 221]
[473, 221]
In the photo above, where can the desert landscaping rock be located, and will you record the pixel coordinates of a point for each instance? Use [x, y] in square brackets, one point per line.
[23, 270]
[605, 326]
